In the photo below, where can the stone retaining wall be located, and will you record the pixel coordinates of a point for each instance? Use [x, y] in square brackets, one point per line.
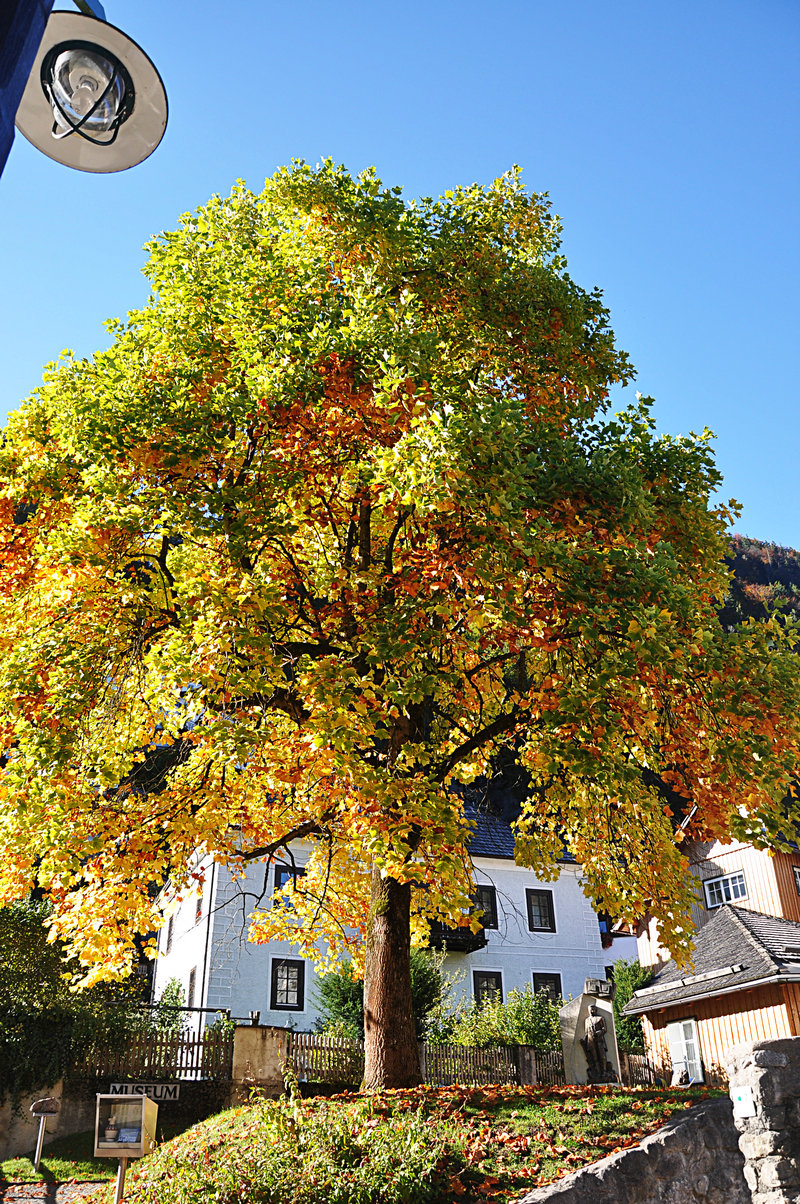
[693, 1159]
[18, 1129]
[765, 1087]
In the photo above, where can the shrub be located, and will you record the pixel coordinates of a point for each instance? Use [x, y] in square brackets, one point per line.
[43, 1026]
[524, 1018]
[629, 977]
[340, 996]
[340, 999]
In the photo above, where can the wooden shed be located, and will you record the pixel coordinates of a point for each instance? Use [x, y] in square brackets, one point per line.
[745, 986]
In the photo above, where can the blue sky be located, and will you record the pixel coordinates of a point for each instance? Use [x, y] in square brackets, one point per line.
[666, 133]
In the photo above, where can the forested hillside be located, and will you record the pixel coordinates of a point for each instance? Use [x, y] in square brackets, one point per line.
[764, 575]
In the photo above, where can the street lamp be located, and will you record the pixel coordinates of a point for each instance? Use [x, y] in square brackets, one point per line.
[93, 100]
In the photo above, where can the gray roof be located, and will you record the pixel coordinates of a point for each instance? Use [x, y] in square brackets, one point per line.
[736, 949]
[492, 835]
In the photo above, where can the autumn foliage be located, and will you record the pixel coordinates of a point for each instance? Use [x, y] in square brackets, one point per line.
[336, 517]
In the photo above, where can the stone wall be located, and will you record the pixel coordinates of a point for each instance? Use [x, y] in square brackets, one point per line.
[260, 1055]
[19, 1130]
[765, 1088]
[693, 1159]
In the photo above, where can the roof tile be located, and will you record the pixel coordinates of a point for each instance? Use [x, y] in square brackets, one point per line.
[758, 945]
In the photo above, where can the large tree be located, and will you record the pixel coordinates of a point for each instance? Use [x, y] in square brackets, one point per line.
[336, 519]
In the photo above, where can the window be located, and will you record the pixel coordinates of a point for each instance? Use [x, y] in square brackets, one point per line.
[541, 917]
[170, 924]
[725, 890]
[288, 984]
[486, 984]
[684, 1051]
[287, 873]
[549, 983]
[606, 929]
[486, 899]
[198, 909]
[796, 869]
[190, 988]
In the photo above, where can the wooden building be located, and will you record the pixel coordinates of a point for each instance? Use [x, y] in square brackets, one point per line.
[731, 873]
[745, 987]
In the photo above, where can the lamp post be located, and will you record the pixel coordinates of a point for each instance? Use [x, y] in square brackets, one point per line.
[79, 89]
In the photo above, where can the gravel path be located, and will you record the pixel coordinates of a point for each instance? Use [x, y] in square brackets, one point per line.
[46, 1193]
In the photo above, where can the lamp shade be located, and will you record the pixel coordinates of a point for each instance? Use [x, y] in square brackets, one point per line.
[93, 100]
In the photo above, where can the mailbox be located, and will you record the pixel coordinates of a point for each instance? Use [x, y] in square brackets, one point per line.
[41, 1109]
[125, 1126]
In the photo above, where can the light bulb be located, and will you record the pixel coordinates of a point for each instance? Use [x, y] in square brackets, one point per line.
[86, 90]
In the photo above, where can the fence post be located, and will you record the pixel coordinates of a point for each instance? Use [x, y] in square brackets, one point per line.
[526, 1066]
[514, 1051]
[624, 1068]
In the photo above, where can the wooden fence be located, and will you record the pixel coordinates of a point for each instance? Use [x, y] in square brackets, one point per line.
[319, 1058]
[638, 1071]
[183, 1055]
[446, 1064]
[550, 1068]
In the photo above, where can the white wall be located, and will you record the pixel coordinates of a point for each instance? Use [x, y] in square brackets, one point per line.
[574, 950]
[190, 948]
[238, 974]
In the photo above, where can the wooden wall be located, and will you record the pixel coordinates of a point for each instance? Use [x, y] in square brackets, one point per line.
[764, 1012]
[769, 880]
[783, 864]
[759, 875]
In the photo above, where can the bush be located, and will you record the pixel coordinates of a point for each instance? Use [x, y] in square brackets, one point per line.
[629, 977]
[340, 999]
[524, 1019]
[43, 1026]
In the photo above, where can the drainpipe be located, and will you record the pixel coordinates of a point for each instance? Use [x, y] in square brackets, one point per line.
[209, 922]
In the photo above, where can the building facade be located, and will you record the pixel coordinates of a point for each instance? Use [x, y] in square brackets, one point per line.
[744, 984]
[735, 873]
[539, 934]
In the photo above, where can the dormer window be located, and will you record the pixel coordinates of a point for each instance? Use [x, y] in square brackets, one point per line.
[727, 889]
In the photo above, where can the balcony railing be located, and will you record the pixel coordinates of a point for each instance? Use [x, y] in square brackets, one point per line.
[457, 940]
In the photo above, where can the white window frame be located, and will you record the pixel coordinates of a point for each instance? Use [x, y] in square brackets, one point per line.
[796, 871]
[726, 886]
[684, 1048]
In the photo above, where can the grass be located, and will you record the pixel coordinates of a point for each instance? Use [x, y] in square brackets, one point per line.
[424, 1146]
[526, 1138]
[69, 1158]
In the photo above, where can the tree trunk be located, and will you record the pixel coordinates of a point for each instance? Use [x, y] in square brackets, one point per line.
[391, 1053]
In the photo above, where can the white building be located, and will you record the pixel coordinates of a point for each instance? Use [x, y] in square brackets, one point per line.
[540, 934]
